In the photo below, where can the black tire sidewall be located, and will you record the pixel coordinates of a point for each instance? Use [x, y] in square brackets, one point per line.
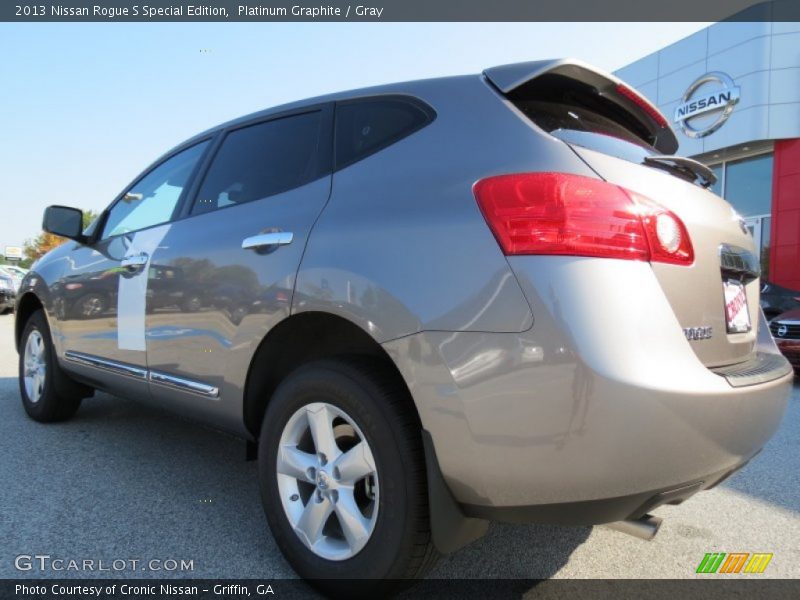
[382, 557]
[47, 404]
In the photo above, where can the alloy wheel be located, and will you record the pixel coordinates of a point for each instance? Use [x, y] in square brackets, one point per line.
[35, 366]
[328, 481]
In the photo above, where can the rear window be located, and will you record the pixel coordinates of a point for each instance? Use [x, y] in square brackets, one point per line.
[575, 112]
[262, 160]
[368, 125]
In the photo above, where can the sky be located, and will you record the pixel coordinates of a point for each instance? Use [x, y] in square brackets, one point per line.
[84, 107]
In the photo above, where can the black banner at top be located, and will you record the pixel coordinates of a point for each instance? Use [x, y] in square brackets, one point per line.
[398, 10]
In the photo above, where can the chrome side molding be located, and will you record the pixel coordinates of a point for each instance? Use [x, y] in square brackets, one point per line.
[179, 383]
[105, 364]
[186, 385]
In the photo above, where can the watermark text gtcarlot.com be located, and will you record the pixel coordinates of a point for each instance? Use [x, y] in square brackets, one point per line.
[46, 562]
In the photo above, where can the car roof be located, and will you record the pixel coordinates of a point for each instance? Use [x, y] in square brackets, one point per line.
[403, 87]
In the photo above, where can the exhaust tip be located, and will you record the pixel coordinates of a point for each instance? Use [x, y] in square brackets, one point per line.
[644, 528]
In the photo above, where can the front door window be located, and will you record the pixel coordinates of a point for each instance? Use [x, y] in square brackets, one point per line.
[152, 199]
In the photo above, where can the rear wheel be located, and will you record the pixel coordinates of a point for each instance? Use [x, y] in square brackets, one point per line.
[39, 375]
[342, 476]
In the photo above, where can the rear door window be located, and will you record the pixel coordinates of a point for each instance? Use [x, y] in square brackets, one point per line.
[367, 125]
[262, 160]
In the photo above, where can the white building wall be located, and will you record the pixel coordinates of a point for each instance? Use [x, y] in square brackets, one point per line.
[762, 58]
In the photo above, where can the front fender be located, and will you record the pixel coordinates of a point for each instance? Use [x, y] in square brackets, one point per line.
[41, 287]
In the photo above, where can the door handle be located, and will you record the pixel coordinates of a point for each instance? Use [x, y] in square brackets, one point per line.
[275, 238]
[135, 263]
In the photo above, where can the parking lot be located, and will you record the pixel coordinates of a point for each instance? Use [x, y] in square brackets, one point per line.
[125, 481]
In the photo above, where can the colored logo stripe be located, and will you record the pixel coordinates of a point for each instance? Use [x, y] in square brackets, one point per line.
[758, 562]
[713, 562]
[734, 562]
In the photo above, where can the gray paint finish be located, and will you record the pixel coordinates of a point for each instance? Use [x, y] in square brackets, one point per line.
[542, 379]
[561, 406]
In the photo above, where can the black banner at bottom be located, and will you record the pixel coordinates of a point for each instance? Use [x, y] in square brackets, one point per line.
[555, 589]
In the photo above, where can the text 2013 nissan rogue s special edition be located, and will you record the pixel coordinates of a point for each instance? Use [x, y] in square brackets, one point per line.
[431, 305]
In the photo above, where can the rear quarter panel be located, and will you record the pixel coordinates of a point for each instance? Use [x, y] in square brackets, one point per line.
[402, 246]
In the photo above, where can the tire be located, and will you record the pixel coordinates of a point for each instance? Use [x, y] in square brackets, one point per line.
[48, 396]
[365, 405]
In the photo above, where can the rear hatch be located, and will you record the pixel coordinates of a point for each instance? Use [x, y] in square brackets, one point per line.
[618, 134]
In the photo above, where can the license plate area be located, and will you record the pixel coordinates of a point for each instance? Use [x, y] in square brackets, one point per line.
[737, 313]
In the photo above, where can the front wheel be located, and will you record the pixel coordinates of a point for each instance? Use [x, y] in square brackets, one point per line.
[342, 476]
[40, 375]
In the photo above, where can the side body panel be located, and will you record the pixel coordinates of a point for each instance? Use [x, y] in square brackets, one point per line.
[206, 326]
[85, 312]
[402, 246]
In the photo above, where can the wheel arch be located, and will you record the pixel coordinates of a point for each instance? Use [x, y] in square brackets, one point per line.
[315, 335]
[297, 340]
[27, 304]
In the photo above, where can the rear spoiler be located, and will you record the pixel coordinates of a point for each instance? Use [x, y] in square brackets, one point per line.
[508, 78]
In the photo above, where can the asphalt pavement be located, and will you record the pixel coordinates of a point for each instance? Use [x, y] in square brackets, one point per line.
[124, 481]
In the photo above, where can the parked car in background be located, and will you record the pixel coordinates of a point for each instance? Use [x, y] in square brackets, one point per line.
[16, 278]
[785, 329]
[8, 293]
[776, 299]
[20, 272]
[427, 306]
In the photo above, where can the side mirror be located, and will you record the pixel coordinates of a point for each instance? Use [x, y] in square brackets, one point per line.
[64, 221]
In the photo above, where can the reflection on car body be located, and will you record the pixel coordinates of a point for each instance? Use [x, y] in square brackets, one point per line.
[426, 306]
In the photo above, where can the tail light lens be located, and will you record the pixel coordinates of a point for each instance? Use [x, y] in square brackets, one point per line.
[560, 213]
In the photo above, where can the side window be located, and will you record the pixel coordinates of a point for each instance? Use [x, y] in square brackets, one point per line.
[262, 160]
[152, 199]
[368, 125]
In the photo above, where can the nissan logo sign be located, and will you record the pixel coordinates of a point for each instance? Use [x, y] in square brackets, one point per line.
[712, 94]
[782, 330]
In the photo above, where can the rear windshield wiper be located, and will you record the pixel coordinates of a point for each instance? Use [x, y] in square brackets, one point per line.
[696, 169]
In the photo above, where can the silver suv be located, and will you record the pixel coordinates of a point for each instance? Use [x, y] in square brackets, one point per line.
[426, 306]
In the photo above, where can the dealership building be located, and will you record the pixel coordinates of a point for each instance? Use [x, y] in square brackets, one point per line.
[732, 94]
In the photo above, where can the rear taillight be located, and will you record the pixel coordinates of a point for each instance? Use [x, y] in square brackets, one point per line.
[560, 213]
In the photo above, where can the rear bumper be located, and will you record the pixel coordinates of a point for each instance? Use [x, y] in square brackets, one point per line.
[598, 412]
[604, 510]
